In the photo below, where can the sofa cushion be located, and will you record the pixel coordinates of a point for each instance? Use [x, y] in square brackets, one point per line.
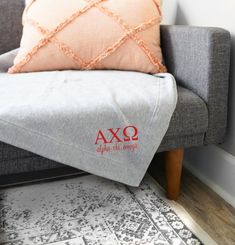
[190, 116]
[90, 34]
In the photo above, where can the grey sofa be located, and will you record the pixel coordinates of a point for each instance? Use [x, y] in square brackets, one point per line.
[199, 59]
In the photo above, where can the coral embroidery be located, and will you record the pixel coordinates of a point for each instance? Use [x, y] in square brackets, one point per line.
[132, 34]
[129, 33]
[122, 40]
[65, 49]
[46, 39]
[158, 7]
[29, 4]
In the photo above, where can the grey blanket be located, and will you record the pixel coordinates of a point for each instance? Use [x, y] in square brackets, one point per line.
[109, 123]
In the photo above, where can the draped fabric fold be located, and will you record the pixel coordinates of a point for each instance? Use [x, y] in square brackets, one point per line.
[108, 123]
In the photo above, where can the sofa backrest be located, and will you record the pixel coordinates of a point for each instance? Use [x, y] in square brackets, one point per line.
[10, 24]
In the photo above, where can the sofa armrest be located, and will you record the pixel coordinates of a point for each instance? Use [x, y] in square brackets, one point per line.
[199, 58]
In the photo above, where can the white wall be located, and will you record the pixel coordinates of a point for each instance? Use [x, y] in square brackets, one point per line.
[169, 9]
[215, 165]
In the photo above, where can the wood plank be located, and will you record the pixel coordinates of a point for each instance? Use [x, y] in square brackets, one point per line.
[207, 208]
[173, 168]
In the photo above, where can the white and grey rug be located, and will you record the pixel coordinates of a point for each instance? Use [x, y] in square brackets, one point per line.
[90, 210]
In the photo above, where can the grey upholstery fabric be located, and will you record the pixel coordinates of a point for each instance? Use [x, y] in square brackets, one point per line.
[10, 24]
[9, 152]
[27, 164]
[170, 143]
[199, 58]
[190, 116]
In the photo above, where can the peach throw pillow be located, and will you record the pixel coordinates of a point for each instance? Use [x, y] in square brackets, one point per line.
[90, 34]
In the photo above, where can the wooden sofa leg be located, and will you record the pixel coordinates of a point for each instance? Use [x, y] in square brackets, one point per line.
[173, 168]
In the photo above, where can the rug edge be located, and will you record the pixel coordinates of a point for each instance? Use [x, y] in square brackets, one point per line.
[183, 214]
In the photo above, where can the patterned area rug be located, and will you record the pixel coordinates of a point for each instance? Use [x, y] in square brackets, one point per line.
[90, 210]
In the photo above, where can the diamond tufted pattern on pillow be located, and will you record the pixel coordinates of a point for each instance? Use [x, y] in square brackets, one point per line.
[90, 34]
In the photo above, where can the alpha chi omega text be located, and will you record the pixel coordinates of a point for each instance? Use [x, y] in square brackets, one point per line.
[117, 139]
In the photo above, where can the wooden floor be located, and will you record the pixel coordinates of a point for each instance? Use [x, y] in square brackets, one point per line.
[208, 209]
